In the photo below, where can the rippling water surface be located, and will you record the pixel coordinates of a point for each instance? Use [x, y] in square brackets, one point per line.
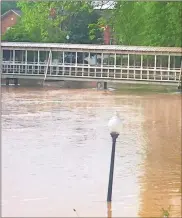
[56, 153]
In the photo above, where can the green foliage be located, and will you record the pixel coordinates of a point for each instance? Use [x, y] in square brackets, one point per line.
[78, 24]
[38, 24]
[148, 23]
[16, 34]
[70, 18]
[134, 23]
[165, 213]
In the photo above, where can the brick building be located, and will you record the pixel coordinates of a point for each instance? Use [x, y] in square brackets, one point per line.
[9, 19]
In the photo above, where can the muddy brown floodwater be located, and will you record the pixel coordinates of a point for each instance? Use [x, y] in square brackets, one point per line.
[56, 153]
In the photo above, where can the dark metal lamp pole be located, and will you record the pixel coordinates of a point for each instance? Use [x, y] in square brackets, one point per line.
[114, 136]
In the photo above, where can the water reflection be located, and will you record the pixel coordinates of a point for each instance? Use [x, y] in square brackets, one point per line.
[56, 154]
[161, 182]
[109, 210]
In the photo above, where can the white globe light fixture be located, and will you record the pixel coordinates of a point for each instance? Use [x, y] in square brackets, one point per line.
[67, 37]
[115, 128]
[114, 124]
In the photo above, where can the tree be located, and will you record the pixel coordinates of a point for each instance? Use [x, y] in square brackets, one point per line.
[38, 23]
[128, 22]
[16, 34]
[147, 23]
[174, 21]
[133, 23]
[79, 27]
[52, 21]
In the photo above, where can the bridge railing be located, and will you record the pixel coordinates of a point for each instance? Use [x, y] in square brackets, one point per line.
[112, 72]
[16, 63]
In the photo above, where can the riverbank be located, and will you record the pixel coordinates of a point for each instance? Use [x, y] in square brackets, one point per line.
[116, 87]
[145, 89]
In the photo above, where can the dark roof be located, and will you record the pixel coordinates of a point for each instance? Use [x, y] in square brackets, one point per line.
[18, 12]
[15, 11]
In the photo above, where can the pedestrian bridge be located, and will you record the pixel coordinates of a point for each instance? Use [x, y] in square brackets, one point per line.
[101, 63]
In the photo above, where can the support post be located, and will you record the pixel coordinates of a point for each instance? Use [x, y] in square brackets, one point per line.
[121, 61]
[161, 72]
[169, 64]
[155, 62]
[7, 81]
[13, 61]
[174, 66]
[88, 64]
[63, 64]
[115, 65]
[141, 66]
[105, 85]
[38, 62]
[16, 81]
[102, 58]
[33, 67]
[109, 194]
[128, 66]
[26, 62]
[22, 57]
[109, 210]
[76, 63]
[134, 61]
[48, 63]
[115, 60]
[76, 56]
[13, 56]
[180, 78]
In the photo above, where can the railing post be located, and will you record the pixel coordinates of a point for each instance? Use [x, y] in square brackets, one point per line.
[141, 66]
[13, 61]
[89, 64]
[169, 64]
[102, 57]
[180, 77]
[115, 65]
[134, 61]
[63, 68]
[25, 61]
[7, 81]
[51, 67]
[174, 65]
[48, 65]
[76, 63]
[128, 66]
[13, 56]
[38, 62]
[121, 60]
[16, 81]
[10, 58]
[76, 56]
[155, 61]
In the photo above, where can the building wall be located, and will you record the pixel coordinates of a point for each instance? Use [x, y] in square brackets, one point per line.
[7, 21]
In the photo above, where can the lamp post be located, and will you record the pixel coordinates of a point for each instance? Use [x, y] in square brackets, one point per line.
[114, 127]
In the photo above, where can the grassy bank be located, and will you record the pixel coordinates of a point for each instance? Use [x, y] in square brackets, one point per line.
[145, 89]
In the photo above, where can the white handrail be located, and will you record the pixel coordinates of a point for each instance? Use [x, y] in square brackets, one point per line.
[180, 78]
[48, 62]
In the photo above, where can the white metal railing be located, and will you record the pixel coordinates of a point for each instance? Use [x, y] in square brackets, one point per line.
[124, 67]
[130, 73]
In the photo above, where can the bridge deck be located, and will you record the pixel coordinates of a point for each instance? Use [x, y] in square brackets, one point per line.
[92, 62]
